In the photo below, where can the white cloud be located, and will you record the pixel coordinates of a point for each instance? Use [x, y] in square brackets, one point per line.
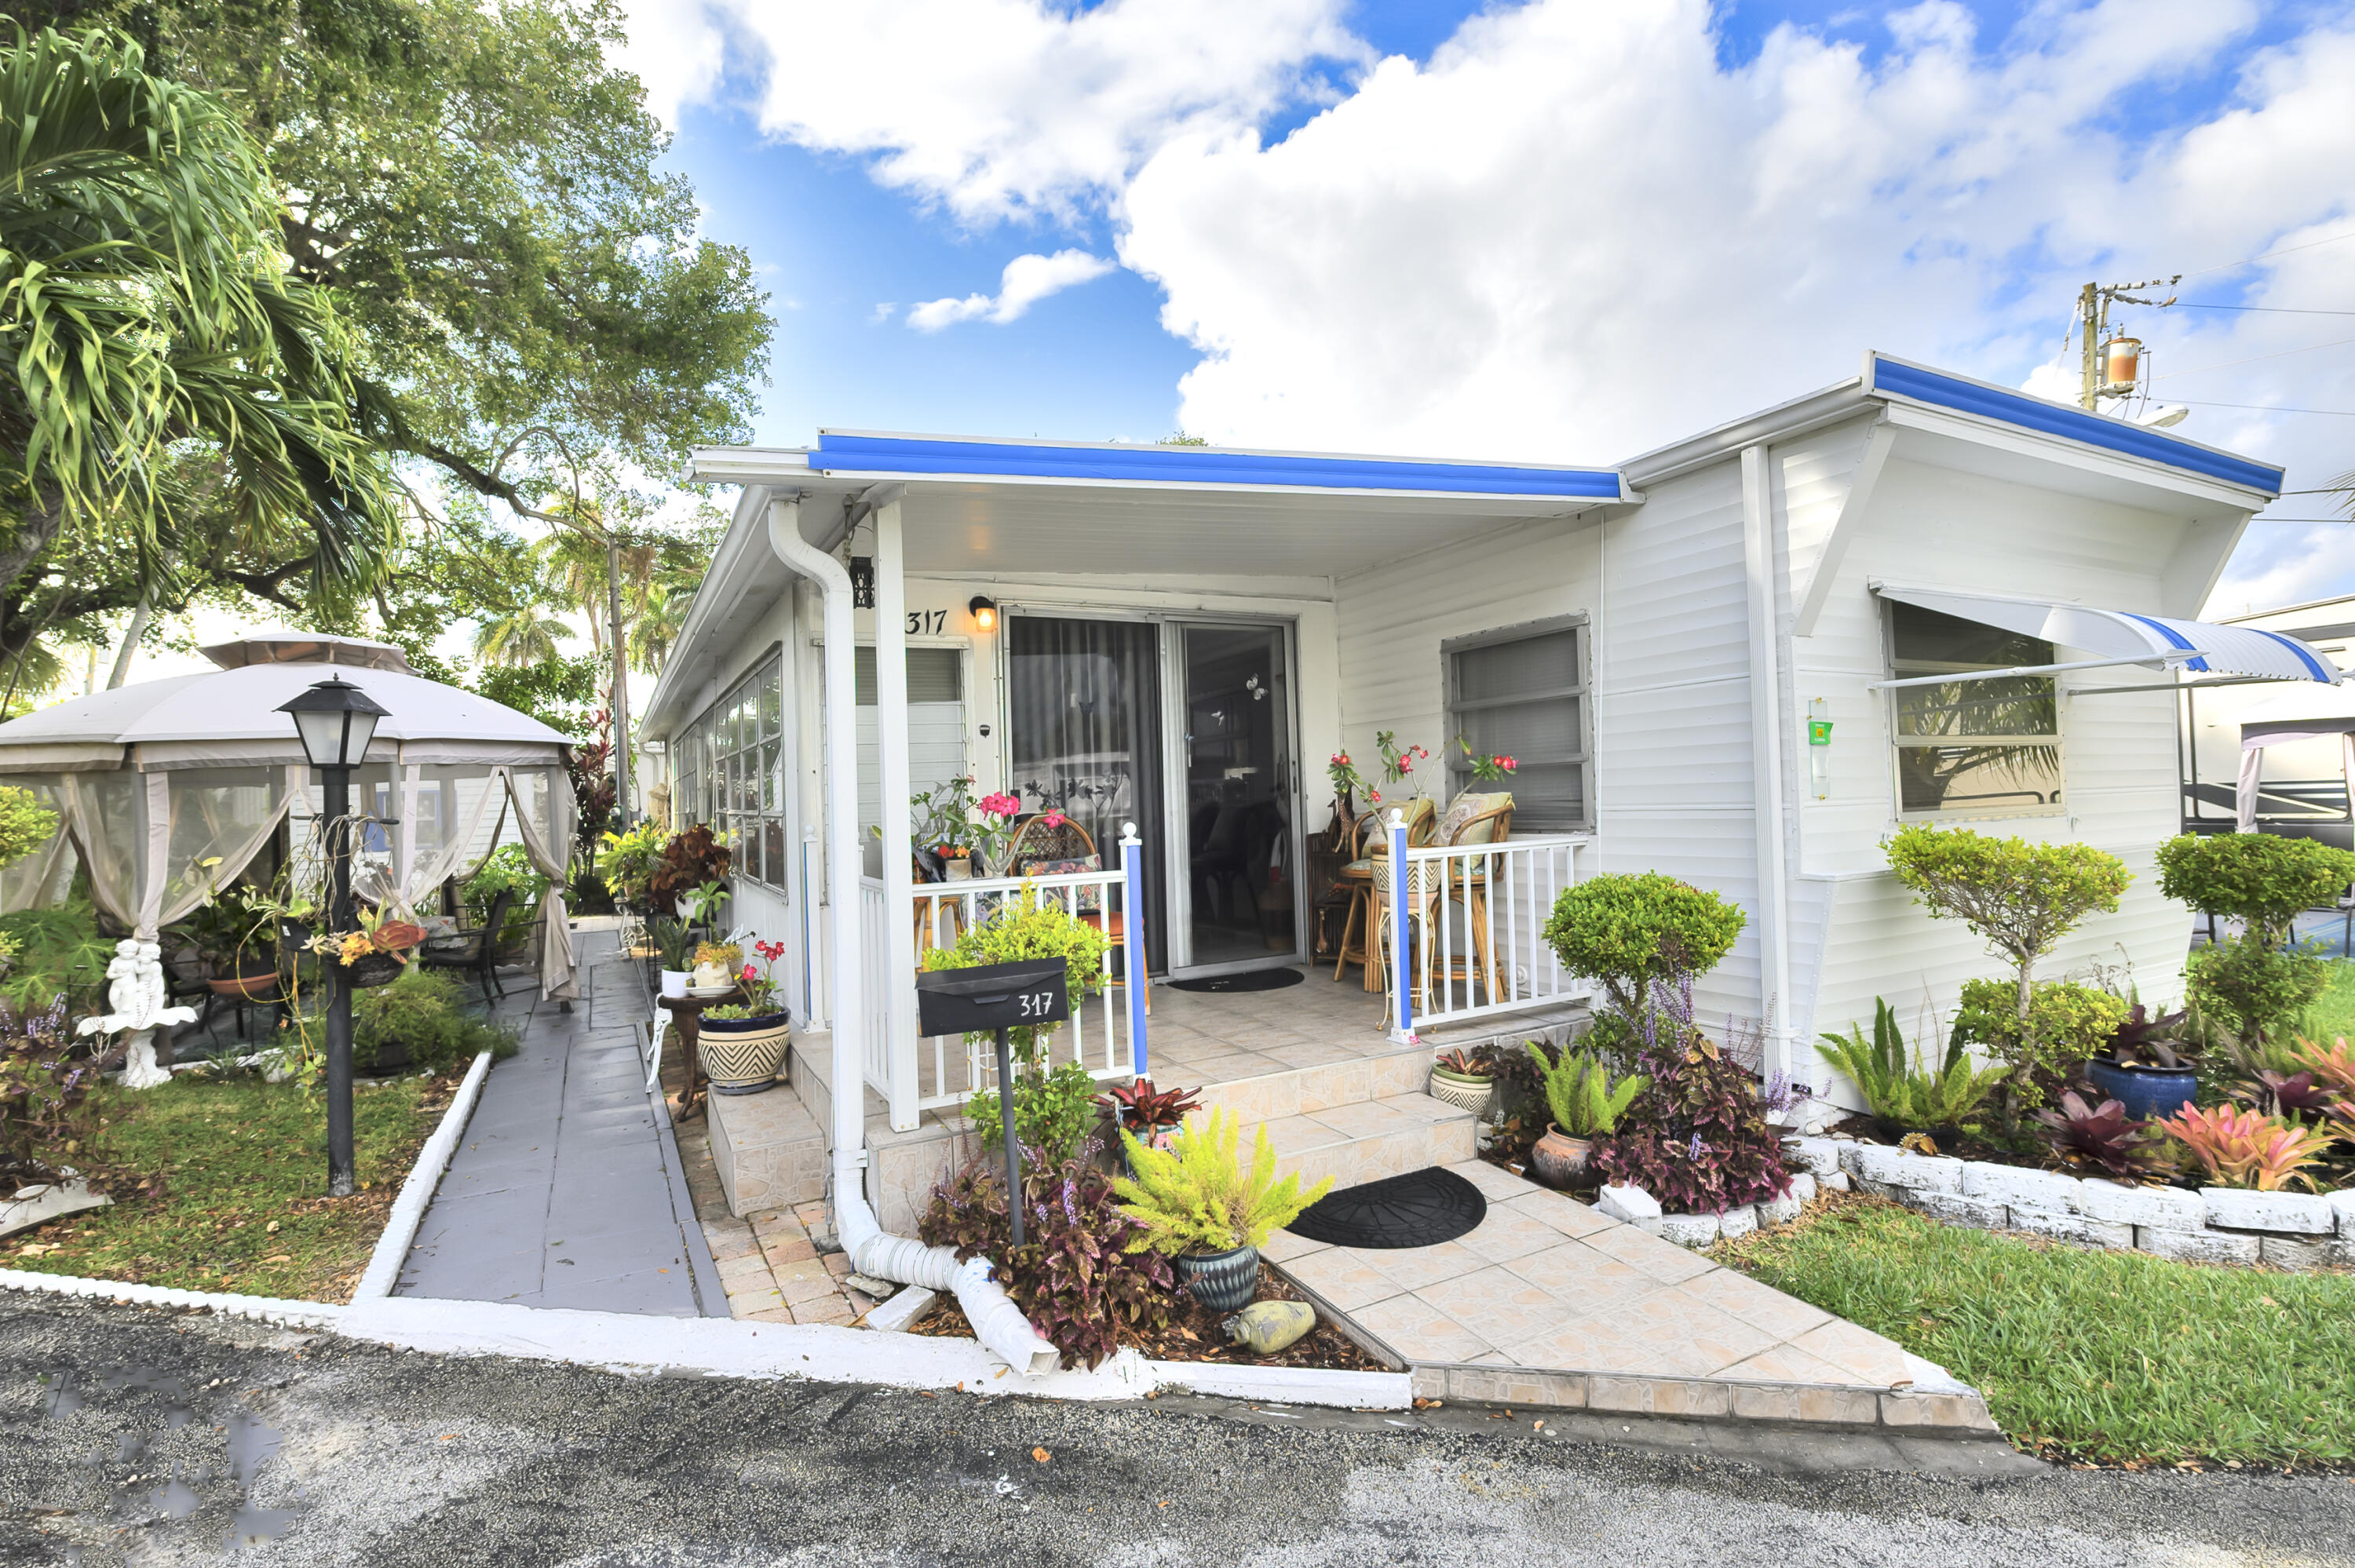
[1026, 281]
[1002, 107]
[677, 48]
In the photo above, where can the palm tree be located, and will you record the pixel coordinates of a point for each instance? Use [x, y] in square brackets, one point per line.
[155, 354]
[522, 637]
[661, 615]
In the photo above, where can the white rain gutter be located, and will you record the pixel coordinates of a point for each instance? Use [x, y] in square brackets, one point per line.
[997, 1321]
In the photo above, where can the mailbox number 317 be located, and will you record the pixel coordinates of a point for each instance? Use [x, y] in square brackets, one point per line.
[1037, 1003]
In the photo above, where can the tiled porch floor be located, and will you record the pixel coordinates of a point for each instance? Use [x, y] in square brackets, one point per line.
[1549, 1283]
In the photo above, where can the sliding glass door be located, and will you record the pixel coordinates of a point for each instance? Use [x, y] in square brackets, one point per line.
[1238, 803]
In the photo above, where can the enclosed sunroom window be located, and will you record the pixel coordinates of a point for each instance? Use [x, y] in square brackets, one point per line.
[1986, 748]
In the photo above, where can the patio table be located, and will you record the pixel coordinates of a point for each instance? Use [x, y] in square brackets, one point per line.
[686, 1012]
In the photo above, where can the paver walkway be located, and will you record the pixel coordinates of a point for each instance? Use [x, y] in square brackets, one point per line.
[567, 1188]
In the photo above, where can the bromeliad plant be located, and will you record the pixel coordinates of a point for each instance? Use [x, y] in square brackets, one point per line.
[1081, 1275]
[1197, 1197]
[1904, 1094]
[2240, 1147]
[1141, 1108]
[1585, 1103]
[2104, 1137]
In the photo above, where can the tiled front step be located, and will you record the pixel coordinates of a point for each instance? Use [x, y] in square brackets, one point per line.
[1366, 1140]
[769, 1151]
[1309, 1090]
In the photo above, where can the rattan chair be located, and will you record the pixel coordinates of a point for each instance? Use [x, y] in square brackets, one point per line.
[1369, 839]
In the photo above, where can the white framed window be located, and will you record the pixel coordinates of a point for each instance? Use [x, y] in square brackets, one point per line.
[1972, 749]
[1521, 692]
[731, 768]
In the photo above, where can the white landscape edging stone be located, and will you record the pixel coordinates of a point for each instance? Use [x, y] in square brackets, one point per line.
[261, 1309]
[39, 1205]
[408, 1209]
[2214, 1225]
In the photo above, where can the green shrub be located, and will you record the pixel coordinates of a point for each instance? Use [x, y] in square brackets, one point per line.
[1020, 930]
[2252, 987]
[2066, 1023]
[626, 861]
[508, 868]
[1904, 1094]
[2261, 879]
[25, 823]
[420, 1010]
[58, 947]
[1585, 1103]
[1053, 1113]
[2022, 898]
[1628, 931]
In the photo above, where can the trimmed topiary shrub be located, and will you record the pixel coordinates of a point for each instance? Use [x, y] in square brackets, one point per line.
[2067, 1023]
[1631, 931]
[2260, 879]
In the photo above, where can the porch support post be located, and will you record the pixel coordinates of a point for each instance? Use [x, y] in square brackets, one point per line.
[1132, 927]
[1776, 1009]
[898, 998]
[1401, 983]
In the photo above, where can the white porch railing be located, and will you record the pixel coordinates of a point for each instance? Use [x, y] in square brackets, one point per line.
[1106, 1032]
[1478, 930]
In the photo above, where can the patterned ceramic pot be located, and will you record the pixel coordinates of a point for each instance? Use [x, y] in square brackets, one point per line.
[741, 1055]
[1462, 1090]
[1222, 1281]
[1559, 1157]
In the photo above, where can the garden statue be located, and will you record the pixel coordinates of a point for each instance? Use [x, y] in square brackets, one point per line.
[135, 993]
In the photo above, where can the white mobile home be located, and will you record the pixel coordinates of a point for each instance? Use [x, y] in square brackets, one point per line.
[1178, 638]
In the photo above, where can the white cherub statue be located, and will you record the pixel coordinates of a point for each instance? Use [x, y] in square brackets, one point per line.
[135, 993]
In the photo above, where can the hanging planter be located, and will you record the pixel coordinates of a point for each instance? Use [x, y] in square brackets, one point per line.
[375, 969]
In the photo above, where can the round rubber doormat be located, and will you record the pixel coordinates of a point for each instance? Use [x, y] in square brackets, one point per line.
[1422, 1208]
[1250, 979]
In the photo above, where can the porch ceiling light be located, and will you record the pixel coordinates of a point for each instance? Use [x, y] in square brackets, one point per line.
[337, 720]
[985, 612]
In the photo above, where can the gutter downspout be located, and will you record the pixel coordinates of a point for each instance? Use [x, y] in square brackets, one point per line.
[1774, 1004]
[997, 1321]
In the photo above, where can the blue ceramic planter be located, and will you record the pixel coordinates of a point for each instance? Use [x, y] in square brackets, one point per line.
[2146, 1092]
[1222, 1281]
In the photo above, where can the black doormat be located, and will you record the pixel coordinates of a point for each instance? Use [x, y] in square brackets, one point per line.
[1422, 1208]
[1250, 979]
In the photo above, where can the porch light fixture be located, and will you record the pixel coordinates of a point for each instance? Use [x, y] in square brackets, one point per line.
[984, 612]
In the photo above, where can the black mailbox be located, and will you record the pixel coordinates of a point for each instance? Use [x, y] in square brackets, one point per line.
[992, 996]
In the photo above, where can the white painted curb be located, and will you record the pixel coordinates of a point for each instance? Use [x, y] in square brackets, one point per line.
[408, 1209]
[262, 1308]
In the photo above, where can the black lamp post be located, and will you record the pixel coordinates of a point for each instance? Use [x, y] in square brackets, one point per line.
[337, 720]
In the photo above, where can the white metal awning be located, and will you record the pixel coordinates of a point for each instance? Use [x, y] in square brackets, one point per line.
[2123, 636]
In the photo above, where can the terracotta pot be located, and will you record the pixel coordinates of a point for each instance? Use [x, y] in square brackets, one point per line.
[253, 987]
[1462, 1091]
[1222, 1281]
[741, 1055]
[1561, 1158]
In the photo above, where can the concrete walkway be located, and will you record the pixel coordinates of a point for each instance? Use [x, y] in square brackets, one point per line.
[567, 1188]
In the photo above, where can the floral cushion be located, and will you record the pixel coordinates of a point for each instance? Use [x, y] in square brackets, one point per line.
[1463, 810]
[1090, 898]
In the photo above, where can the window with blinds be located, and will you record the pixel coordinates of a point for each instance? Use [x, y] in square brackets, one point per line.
[1972, 749]
[1523, 694]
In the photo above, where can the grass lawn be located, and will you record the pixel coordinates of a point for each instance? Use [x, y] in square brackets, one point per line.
[2333, 1013]
[244, 1166]
[2118, 1357]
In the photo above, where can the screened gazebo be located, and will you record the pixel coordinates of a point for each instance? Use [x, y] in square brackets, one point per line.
[167, 789]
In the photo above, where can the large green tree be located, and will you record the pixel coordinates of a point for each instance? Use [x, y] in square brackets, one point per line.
[482, 195]
[168, 392]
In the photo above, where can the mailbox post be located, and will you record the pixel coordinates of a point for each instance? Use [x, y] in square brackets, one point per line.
[993, 999]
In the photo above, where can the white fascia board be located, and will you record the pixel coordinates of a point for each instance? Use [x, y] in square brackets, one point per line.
[2002, 437]
[745, 465]
[1829, 406]
[1535, 505]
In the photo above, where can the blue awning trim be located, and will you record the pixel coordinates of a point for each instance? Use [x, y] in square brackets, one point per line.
[1189, 465]
[2176, 639]
[1896, 378]
[2295, 646]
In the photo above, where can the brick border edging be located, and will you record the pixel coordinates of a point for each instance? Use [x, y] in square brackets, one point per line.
[2287, 1230]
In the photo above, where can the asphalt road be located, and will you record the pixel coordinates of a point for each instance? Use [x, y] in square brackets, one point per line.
[140, 1436]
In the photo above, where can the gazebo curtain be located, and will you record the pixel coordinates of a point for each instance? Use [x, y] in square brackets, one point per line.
[2252, 762]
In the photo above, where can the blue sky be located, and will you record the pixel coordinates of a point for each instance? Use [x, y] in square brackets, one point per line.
[1511, 230]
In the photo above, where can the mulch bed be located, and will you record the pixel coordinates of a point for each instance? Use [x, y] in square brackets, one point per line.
[1193, 1335]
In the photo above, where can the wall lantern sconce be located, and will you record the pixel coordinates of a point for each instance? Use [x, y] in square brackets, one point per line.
[984, 612]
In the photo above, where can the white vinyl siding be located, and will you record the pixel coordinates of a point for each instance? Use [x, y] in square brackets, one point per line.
[936, 749]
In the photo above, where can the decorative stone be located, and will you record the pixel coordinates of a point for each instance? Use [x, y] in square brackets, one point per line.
[1688, 1230]
[1833, 1182]
[1803, 1186]
[1737, 1223]
[2061, 1225]
[2150, 1208]
[2282, 1252]
[1848, 1157]
[1904, 1168]
[2198, 1246]
[1953, 1209]
[1629, 1204]
[2343, 1205]
[1782, 1210]
[38, 1205]
[2293, 1213]
[2013, 1184]
[1820, 1156]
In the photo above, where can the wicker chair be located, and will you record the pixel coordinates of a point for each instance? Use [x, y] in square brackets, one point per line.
[1473, 819]
[1369, 838]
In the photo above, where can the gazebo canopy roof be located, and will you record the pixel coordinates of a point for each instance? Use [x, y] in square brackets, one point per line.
[229, 716]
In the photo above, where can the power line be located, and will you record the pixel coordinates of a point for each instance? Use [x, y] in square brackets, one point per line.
[2268, 255]
[2229, 364]
[2268, 407]
[2268, 310]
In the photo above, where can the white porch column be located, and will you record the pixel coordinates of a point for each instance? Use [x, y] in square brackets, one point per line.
[1774, 1004]
[899, 997]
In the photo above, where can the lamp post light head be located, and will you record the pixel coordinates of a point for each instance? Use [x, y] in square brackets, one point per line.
[335, 721]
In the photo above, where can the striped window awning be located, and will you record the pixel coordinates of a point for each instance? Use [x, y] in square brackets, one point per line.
[2124, 636]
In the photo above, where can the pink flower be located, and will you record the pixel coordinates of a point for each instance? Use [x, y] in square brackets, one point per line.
[1000, 805]
[1375, 796]
[1055, 818]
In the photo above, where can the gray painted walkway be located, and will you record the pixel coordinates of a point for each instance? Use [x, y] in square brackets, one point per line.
[567, 1189]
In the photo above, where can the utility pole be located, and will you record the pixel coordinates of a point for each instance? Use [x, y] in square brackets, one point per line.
[2094, 380]
[621, 680]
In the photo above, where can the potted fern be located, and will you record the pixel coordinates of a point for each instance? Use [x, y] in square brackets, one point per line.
[1902, 1094]
[1585, 1105]
[1204, 1212]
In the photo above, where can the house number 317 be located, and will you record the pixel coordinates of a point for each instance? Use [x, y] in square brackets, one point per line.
[927, 622]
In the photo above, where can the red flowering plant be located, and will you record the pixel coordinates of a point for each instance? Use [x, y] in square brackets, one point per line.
[1347, 782]
[1494, 769]
[760, 985]
[1398, 762]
